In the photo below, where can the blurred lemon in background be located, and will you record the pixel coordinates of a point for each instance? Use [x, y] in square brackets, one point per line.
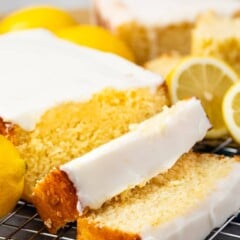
[47, 17]
[12, 170]
[98, 38]
[207, 79]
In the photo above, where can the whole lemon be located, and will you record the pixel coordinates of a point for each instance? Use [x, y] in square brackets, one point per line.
[98, 38]
[12, 169]
[47, 17]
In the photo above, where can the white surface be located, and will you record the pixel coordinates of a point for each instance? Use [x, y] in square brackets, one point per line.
[9, 5]
[210, 213]
[39, 71]
[152, 147]
[161, 12]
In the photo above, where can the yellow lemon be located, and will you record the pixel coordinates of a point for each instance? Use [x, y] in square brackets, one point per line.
[231, 111]
[205, 78]
[98, 38]
[47, 17]
[12, 169]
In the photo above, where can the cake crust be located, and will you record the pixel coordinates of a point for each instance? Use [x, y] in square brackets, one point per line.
[56, 200]
[87, 231]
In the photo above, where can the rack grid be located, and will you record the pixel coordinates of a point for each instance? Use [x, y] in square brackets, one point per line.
[25, 224]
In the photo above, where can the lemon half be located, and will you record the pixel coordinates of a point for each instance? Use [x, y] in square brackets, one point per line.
[12, 170]
[207, 79]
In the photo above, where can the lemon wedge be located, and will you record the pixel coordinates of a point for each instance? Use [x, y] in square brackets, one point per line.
[231, 111]
[207, 79]
[12, 170]
[98, 38]
[47, 17]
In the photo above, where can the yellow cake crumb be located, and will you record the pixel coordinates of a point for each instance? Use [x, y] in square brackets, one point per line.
[149, 43]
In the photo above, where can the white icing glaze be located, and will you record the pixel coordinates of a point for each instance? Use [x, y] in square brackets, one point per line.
[137, 156]
[161, 12]
[38, 71]
[223, 202]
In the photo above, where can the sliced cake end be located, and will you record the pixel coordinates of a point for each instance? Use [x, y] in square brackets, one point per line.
[200, 190]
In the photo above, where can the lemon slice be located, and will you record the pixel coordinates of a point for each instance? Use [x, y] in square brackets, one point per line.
[231, 111]
[98, 38]
[207, 79]
[12, 170]
[47, 17]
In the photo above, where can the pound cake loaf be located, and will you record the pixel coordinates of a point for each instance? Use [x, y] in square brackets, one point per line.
[123, 163]
[218, 37]
[60, 100]
[198, 194]
[154, 27]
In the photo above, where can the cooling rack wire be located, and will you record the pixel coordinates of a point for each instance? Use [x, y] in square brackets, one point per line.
[24, 223]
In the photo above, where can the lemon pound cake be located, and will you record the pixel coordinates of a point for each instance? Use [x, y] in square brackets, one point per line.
[198, 194]
[218, 37]
[154, 27]
[127, 161]
[61, 100]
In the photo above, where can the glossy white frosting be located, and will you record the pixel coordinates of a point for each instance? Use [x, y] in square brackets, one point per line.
[38, 71]
[223, 202]
[152, 147]
[161, 12]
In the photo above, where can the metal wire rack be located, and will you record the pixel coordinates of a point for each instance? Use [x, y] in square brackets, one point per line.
[24, 223]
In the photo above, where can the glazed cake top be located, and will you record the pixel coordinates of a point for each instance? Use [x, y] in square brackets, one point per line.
[39, 71]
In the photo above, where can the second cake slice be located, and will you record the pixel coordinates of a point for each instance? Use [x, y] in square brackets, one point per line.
[186, 203]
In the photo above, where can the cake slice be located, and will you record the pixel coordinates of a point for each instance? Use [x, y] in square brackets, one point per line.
[128, 161]
[218, 37]
[164, 64]
[154, 27]
[60, 101]
[198, 194]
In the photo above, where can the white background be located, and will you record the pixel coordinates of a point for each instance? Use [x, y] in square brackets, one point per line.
[9, 5]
